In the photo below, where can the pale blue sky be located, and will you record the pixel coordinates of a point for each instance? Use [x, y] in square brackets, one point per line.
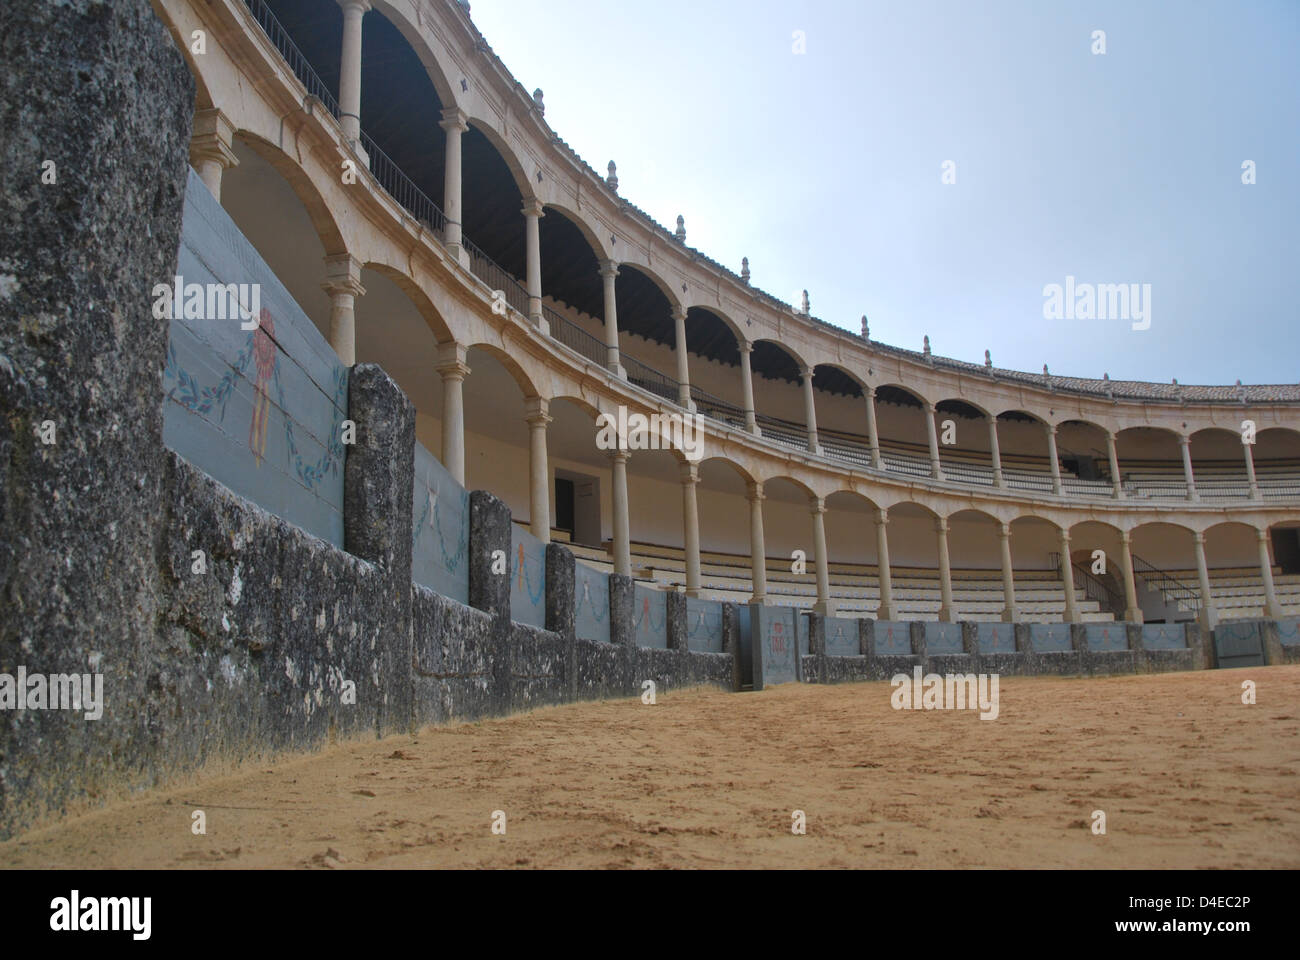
[824, 169]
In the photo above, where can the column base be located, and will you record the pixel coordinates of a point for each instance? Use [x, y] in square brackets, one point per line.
[1274, 612]
[618, 370]
[945, 615]
[758, 598]
[1132, 615]
[885, 612]
[693, 592]
[539, 321]
[825, 607]
[815, 449]
[1010, 615]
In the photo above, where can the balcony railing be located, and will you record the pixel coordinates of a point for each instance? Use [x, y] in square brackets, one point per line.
[847, 447]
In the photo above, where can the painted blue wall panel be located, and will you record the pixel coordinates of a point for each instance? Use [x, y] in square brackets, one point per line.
[776, 644]
[591, 603]
[527, 578]
[439, 529]
[893, 638]
[704, 625]
[996, 637]
[1050, 637]
[1164, 636]
[650, 617]
[1288, 632]
[842, 637]
[259, 410]
[1106, 636]
[943, 638]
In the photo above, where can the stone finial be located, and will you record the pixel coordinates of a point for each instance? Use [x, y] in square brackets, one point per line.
[866, 328]
[925, 347]
[681, 228]
[1045, 371]
[1174, 381]
[537, 99]
[1106, 377]
[612, 179]
[744, 270]
[988, 359]
[805, 307]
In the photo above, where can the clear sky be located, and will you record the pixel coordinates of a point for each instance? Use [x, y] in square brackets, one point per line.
[825, 168]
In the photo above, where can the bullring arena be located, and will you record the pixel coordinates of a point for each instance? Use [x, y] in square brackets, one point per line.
[379, 571]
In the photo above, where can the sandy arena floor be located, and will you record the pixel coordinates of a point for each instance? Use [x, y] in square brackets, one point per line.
[1188, 777]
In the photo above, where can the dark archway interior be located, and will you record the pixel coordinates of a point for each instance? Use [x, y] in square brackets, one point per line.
[835, 380]
[708, 335]
[570, 270]
[959, 408]
[769, 360]
[642, 307]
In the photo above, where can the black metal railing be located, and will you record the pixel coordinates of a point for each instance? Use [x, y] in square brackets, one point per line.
[496, 277]
[575, 338]
[1094, 588]
[1171, 588]
[287, 49]
[648, 378]
[403, 189]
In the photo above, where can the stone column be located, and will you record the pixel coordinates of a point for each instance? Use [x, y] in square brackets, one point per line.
[1249, 450]
[683, 366]
[212, 148]
[539, 487]
[452, 368]
[608, 274]
[757, 551]
[946, 612]
[1067, 579]
[810, 409]
[817, 507]
[1187, 468]
[622, 526]
[1053, 460]
[343, 284]
[454, 123]
[1132, 610]
[886, 609]
[533, 250]
[747, 388]
[936, 470]
[1272, 608]
[996, 452]
[1112, 453]
[1209, 615]
[1008, 577]
[690, 473]
[350, 68]
[873, 434]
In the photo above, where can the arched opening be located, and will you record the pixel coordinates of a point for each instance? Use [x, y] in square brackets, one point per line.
[1219, 464]
[965, 454]
[496, 434]
[1151, 463]
[573, 294]
[974, 545]
[648, 332]
[1035, 553]
[1085, 458]
[1164, 571]
[904, 437]
[581, 488]
[778, 394]
[1022, 438]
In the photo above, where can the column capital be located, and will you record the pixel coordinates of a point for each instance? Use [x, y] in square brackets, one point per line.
[746, 346]
[454, 118]
[536, 411]
[1126, 536]
[929, 407]
[361, 6]
[451, 361]
[1262, 533]
[869, 391]
[1065, 535]
[1198, 537]
[1004, 530]
[754, 491]
[690, 472]
[1051, 428]
[343, 275]
[213, 138]
[620, 455]
[993, 419]
[806, 373]
[533, 208]
[816, 504]
[609, 269]
[882, 516]
[679, 313]
[1185, 440]
[941, 525]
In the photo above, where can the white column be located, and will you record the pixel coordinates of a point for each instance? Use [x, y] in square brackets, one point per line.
[747, 388]
[539, 487]
[533, 248]
[690, 473]
[1272, 608]
[1132, 610]
[1209, 615]
[1112, 452]
[350, 68]
[453, 370]
[1067, 579]
[1249, 450]
[810, 409]
[608, 274]
[996, 452]
[886, 609]
[1188, 476]
[683, 367]
[936, 471]
[343, 284]
[946, 612]
[212, 148]
[873, 435]
[1053, 461]
[454, 123]
[757, 551]
[817, 507]
[1008, 578]
[622, 528]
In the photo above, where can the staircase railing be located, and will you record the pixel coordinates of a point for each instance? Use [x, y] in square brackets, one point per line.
[1171, 588]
